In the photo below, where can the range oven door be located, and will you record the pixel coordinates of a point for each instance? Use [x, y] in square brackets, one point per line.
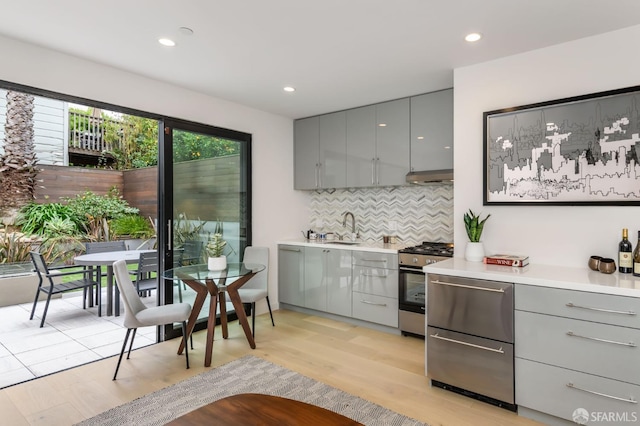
[413, 294]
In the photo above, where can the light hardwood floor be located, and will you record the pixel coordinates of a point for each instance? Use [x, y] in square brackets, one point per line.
[382, 368]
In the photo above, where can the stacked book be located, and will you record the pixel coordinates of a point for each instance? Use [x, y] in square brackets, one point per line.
[507, 260]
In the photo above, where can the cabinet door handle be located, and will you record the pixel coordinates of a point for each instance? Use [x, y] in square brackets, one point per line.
[630, 344]
[472, 287]
[499, 350]
[375, 260]
[372, 303]
[630, 400]
[288, 249]
[373, 171]
[372, 275]
[377, 171]
[610, 311]
[319, 175]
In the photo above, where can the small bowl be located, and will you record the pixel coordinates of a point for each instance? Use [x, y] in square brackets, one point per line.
[594, 262]
[607, 265]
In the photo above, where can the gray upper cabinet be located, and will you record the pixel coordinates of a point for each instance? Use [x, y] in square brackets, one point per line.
[378, 144]
[320, 152]
[306, 152]
[392, 142]
[333, 150]
[361, 146]
[432, 131]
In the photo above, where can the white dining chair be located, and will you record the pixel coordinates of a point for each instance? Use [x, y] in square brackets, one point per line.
[257, 288]
[136, 314]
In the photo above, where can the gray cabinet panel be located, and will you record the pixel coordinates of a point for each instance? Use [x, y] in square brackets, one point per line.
[375, 280]
[378, 309]
[604, 308]
[392, 142]
[306, 151]
[361, 146]
[545, 339]
[432, 131]
[328, 280]
[315, 286]
[333, 150]
[558, 391]
[291, 274]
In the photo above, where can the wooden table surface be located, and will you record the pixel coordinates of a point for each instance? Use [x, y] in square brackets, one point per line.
[252, 409]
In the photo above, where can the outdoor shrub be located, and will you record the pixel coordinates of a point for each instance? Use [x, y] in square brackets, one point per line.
[61, 226]
[96, 210]
[134, 226]
[14, 248]
[33, 217]
[186, 230]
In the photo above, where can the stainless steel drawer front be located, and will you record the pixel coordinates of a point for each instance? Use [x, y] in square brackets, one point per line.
[478, 307]
[478, 365]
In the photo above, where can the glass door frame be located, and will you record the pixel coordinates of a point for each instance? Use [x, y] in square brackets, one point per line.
[165, 197]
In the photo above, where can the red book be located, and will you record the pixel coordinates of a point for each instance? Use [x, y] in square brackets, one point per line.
[506, 260]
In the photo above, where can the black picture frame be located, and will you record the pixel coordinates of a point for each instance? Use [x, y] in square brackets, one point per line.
[581, 150]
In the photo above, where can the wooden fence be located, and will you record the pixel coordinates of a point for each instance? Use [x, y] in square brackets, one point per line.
[208, 189]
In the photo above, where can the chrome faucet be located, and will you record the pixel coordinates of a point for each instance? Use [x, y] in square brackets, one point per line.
[353, 221]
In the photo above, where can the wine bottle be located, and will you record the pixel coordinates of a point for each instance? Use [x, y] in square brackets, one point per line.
[625, 258]
[636, 258]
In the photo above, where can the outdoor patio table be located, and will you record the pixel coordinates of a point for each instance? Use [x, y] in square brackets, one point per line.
[213, 283]
[107, 258]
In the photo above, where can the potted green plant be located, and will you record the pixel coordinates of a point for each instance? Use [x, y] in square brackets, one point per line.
[474, 226]
[217, 261]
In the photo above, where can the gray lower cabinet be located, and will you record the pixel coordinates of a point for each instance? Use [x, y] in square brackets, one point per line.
[327, 280]
[291, 274]
[375, 287]
[575, 350]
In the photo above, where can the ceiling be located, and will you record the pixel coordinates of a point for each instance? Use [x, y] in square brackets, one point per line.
[338, 54]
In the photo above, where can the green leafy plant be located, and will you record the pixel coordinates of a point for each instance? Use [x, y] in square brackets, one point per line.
[215, 245]
[33, 217]
[187, 230]
[135, 226]
[474, 225]
[95, 211]
[14, 247]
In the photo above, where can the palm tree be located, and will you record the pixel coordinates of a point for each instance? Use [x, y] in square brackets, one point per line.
[18, 162]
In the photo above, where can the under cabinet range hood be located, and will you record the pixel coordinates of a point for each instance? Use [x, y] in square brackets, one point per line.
[430, 176]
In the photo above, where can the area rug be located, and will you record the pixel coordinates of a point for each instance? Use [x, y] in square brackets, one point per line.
[249, 374]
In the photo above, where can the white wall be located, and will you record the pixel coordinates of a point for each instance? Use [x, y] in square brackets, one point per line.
[549, 234]
[278, 211]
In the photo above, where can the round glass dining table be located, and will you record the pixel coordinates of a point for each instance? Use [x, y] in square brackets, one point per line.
[214, 283]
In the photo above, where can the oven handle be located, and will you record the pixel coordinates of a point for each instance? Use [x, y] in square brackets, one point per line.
[472, 287]
[415, 271]
[435, 336]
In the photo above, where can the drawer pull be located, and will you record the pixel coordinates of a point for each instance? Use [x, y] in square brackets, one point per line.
[630, 344]
[571, 305]
[630, 400]
[435, 336]
[472, 287]
[366, 302]
[373, 275]
[375, 260]
[288, 249]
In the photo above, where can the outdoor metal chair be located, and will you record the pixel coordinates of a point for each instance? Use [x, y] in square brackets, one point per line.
[136, 314]
[47, 285]
[146, 277]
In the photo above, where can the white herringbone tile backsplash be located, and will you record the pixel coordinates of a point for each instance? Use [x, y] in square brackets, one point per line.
[420, 213]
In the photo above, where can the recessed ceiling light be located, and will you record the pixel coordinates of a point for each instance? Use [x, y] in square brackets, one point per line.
[473, 37]
[289, 89]
[166, 42]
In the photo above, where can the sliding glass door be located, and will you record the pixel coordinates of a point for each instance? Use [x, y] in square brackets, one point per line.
[205, 188]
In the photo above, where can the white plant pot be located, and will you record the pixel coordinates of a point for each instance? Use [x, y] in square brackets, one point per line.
[474, 252]
[217, 263]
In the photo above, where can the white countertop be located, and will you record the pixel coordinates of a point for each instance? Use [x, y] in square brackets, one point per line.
[569, 278]
[363, 246]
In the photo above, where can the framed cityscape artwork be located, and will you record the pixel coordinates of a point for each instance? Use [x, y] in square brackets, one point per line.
[581, 151]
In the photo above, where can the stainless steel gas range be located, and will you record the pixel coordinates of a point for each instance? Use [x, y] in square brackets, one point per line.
[412, 300]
